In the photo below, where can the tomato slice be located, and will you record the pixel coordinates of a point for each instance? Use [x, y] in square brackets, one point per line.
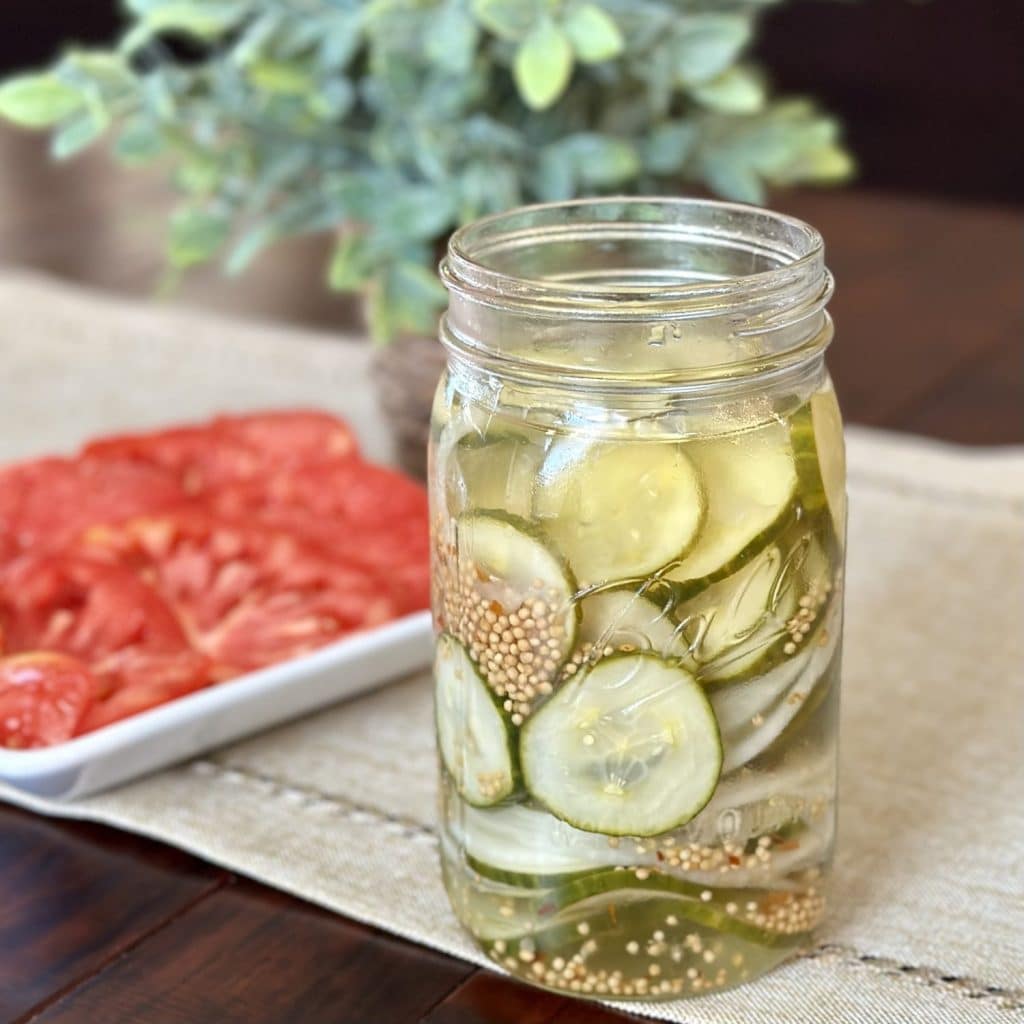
[365, 515]
[248, 596]
[233, 448]
[43, 699]
[194, 456]
[84, 608]
[139, 680]
[291, 437]
[50, 501]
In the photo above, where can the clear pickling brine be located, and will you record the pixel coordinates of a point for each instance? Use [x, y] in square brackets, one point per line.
[638, 515]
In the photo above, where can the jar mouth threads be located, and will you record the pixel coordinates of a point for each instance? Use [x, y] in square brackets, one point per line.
[642, 273]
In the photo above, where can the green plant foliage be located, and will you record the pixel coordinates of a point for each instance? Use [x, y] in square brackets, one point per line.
[389, 122]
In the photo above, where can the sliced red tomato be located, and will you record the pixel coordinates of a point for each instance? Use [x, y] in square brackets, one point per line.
[83, 608]
[196, 457]
[364, 514]
[291, 437]
[49, 501]
[234, 448]
[248, 596]
[43, 699]
[139, 680]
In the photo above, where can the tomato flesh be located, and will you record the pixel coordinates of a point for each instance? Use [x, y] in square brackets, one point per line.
[247, 595]
[364, 515]
[48, 502]
[139, 680]
[153, 565]
[82, 607]
[43, 699]
[232, 448]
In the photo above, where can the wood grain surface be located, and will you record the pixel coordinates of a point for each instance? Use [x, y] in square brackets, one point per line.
[99, 926]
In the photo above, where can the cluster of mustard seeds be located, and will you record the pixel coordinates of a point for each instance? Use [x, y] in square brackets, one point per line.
[808, 607]
[588, 654]
[730, 856]
[669, 961]
[517, 649]
[783, 912]
[492, 784]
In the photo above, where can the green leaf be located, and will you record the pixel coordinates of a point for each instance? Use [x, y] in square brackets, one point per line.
[138, 142]
[585, 159]
[406, 297]
[451, 39]
[593, 33]
[198, 173]
[739, 90]
[37, 101]
[110, 72]
[196, 236]
[351, 263]
[555, 177]
[416, 212]
[421, 287]
[733, 180]
[206, 21]
[342, 36]
[668, 147]
[286, 78]
[543, 65]
[822, 165]
[507, 19]
[77, 133]
[603, 161]
[333, 100]
[704, 45]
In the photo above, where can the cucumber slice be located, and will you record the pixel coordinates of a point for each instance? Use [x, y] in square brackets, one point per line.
[627, 887]
[524, 846]
[750, 483]
[508, 598]
[817, 433]
[472, 733]
[618, 509]
[494, 473]
[753, 713]
[747, 622]
[627, 619]
[628, 747]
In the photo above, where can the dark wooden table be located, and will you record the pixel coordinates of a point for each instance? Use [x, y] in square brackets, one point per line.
[96, 925]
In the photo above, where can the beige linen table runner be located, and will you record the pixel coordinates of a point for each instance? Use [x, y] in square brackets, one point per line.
[927, 923]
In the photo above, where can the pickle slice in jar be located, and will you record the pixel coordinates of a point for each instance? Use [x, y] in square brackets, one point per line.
[505, 594]
[745, 623]
[753, 713]
[630, 619]
[524, 846]
[750, 483]
[817, 433]
[472, 733]
[618, 509]
[628, 747]
[494, 473]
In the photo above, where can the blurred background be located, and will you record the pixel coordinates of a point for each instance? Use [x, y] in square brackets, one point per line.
[930, 94]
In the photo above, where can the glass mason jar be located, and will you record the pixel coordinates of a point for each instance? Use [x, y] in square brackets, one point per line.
[637, 488]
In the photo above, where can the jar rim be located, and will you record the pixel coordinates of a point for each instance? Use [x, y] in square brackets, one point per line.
[795, 246]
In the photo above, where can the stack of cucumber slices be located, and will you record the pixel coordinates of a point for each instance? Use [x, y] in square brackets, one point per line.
[624, 622]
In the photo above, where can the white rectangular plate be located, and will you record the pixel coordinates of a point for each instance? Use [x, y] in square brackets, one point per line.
[227, 711]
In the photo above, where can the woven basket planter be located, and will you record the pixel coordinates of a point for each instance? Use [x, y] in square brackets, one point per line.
[405, 374]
